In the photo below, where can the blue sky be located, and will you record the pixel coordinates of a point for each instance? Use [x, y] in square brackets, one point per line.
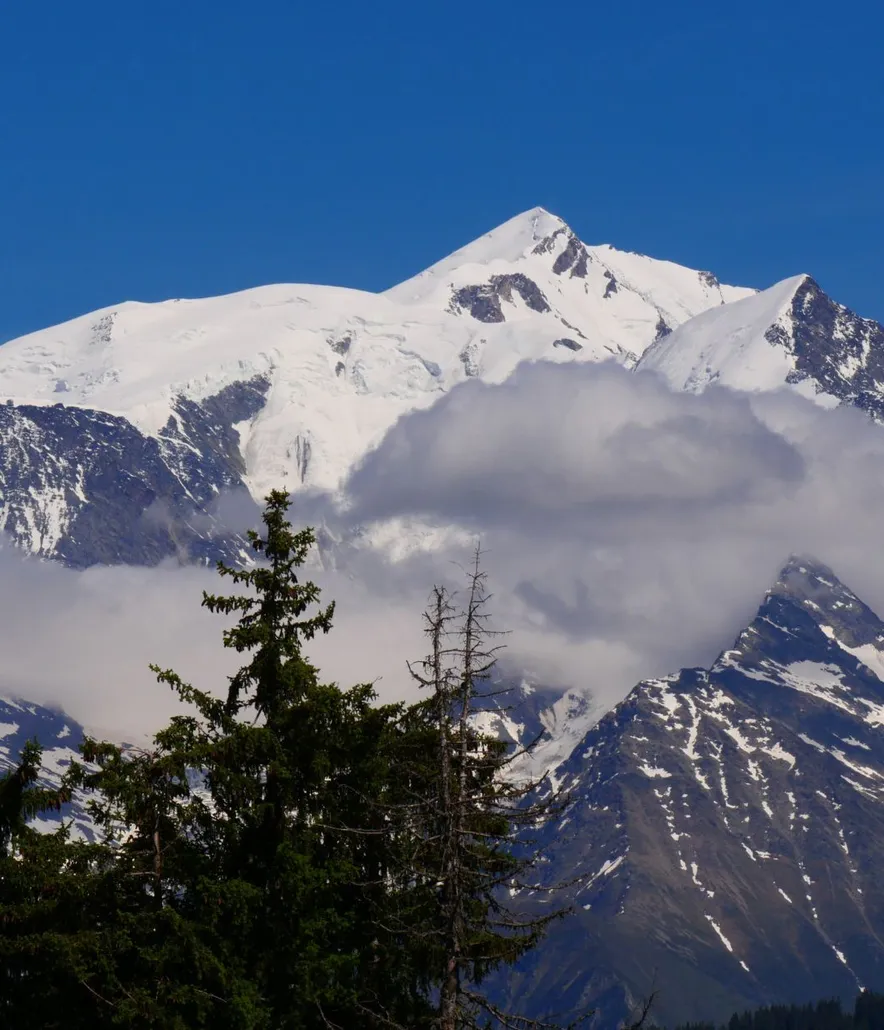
[157, 149]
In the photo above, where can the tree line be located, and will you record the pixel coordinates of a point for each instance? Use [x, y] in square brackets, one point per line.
[291, 856]
[867, 1013]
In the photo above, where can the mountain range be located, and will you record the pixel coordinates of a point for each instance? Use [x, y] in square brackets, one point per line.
[726, 820]
[121, 428]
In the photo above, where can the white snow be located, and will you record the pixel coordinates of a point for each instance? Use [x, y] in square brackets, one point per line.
[860, 789]
[345, 364]
[608, 867]
[727, 345]
[742, 742]
[717, 929]
[870, 657]
[507, 243]
[853, 742]
[821, 681]
[56, 760]
[780, 754]
[863, 770]
[813, 743]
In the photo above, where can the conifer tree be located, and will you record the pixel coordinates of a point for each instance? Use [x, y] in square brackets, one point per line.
[232, 825]
[48, 946]
[287, 761]
[288, 856]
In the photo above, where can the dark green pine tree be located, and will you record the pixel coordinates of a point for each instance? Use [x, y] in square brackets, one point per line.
[827, 1014]
[280, 846]
[49, 946]
[246, 874]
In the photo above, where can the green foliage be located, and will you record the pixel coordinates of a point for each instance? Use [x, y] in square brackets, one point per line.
[290, 856]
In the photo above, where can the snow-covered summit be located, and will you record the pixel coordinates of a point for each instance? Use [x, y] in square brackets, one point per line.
[791, 334]
[508, 242]
[535, 264]
[728, 345]
[340, 365]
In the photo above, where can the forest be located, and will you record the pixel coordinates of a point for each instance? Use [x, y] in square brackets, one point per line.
[288, 854]
[867, 1014]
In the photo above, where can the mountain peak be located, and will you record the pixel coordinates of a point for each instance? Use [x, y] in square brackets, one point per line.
[731, 819]
[506, 243]
[791, 334]
[811, 609]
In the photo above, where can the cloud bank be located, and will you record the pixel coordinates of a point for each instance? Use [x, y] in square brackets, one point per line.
[631, 530]
[84, 641]
[628, 530]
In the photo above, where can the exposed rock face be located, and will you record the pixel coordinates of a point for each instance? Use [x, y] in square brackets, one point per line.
[484, 302]
[166, 406]
[86, 487]
[791, 334]
[840, 352]
[728, 823]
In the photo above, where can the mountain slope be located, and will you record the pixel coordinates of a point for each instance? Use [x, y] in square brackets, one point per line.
[728, 823]
[534, 264]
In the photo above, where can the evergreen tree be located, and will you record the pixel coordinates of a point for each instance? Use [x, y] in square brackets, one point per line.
[19, 798]
[290, 856]
[233, 824]
[867, 1014]
[243, 875]
[49, 895]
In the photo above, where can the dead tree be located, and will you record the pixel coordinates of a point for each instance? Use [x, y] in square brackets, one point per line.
[473, 821]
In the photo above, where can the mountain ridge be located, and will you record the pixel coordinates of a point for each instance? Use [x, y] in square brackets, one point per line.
[728, 818]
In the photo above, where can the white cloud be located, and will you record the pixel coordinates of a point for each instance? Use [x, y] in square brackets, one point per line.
[84, 640]
[632, 530]
[629, 531]
[572, 442]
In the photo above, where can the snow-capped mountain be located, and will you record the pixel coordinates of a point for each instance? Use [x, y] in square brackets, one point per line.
[727, 820]
[120, 427]
[791, 334]
[616, 302]
[728, 823]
